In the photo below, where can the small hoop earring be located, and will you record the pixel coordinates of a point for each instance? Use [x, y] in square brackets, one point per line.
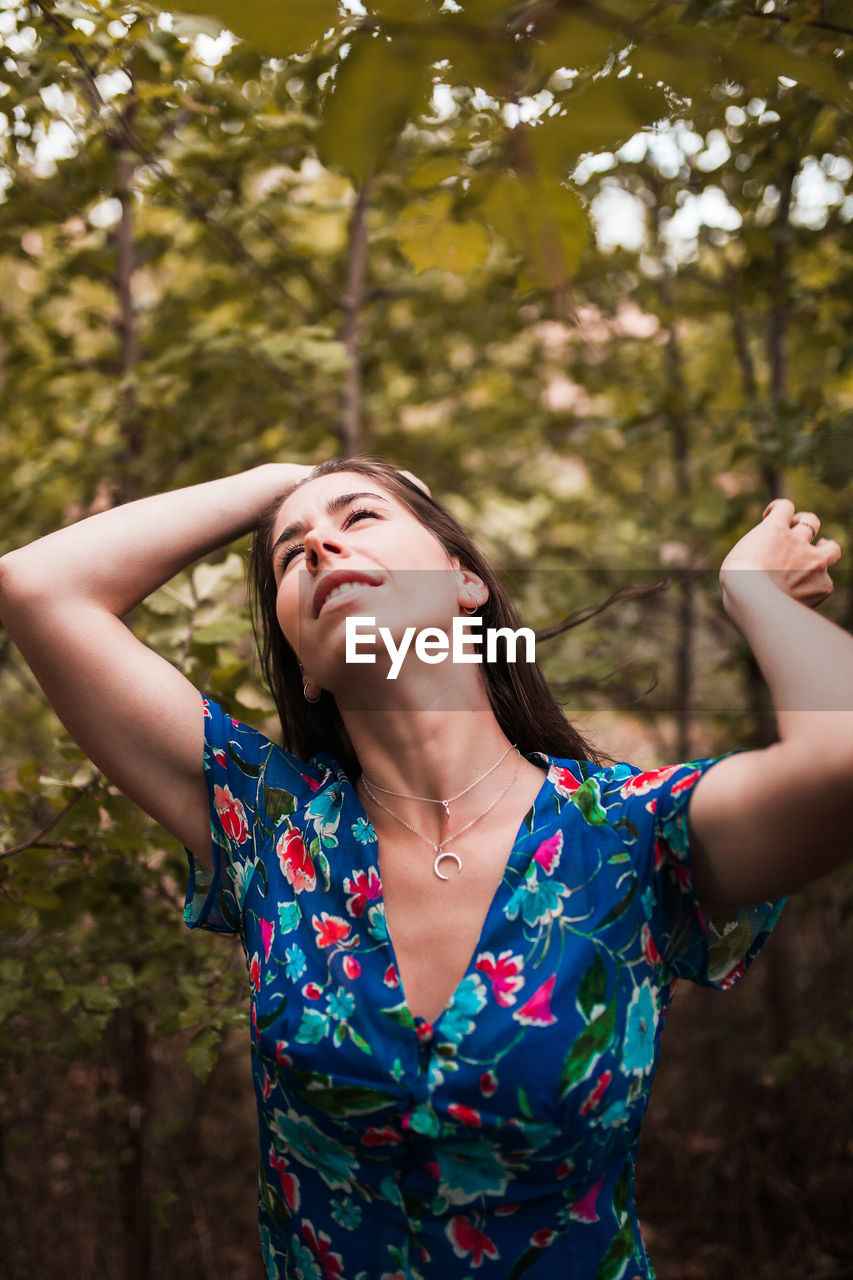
[472, 610]
[305, 688]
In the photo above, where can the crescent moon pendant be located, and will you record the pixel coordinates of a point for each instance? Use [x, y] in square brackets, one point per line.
[437, 863]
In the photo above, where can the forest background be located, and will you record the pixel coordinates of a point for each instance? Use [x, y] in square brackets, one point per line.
[583, 265]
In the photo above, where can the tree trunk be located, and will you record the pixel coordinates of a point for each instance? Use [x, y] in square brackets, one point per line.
[777, 322]
[131, 1036]
[676, 416]
[353, 306]
[134, 1079]
[127, 484]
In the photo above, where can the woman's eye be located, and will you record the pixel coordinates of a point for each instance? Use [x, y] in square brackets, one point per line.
[357, 515]
[288, 555]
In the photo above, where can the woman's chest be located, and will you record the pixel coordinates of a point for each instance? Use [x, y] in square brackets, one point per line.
[556, 969]
[435, 924]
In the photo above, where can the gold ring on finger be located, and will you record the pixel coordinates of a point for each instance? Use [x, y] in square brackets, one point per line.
[808, 524]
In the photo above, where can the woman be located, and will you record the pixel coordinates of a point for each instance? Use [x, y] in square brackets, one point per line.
[461, 929]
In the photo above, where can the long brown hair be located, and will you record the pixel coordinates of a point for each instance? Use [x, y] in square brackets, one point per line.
[521, 700]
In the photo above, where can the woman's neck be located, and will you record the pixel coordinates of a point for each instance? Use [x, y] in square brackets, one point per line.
[427, 739]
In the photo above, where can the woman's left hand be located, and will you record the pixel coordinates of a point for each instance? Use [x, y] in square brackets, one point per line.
[768, 821]
[785, 545]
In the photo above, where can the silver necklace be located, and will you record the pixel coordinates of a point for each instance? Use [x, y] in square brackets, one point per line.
[430, 799]
[440, 851]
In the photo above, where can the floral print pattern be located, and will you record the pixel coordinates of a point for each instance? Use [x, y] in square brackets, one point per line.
[500, 1140]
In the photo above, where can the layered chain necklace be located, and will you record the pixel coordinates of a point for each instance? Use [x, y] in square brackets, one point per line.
[439, 850]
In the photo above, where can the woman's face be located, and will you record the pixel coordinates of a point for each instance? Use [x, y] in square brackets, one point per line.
[343, 545]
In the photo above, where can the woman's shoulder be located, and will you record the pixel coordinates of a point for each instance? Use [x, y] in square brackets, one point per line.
[616, 791]
[632, 779]
[250, 755]
[569, 773]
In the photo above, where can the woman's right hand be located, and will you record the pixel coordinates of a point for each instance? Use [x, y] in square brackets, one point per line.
[62, 600]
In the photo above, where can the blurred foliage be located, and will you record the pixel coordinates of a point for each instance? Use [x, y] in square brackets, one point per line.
[585, 267]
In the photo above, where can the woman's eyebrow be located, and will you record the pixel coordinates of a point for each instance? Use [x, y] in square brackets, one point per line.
[332, 506]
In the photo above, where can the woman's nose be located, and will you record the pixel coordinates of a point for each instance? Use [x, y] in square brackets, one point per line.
[322, 544]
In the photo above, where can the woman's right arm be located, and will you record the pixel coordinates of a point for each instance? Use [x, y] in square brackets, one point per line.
[62, 599]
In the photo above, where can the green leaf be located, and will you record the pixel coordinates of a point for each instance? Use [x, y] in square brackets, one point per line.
[727, 950]
[211, 580]
[228, 628]
[576, 42]
[598, 118]
[261, 872]
[587, 1047]
[98, 999]
[34, 896]
[278, 29]
[187, 28]
[620, 1195]
[359, 1041]
[622, 905]
[484, 11]
[9, 914]
[524, 1104]
[543, 221]
[524, 1262]
[342, 1100]
[587, 798]
[202, 1052]
[378, 88]
[250, 770]
[593, 987]
[227, 914]
[407, 11]
[485, 64]
[428, 173]
[429, 237]
[400, 1014]
[278, 803]
[621, 1249]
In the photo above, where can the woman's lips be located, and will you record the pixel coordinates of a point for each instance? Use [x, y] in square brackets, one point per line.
[338, 578]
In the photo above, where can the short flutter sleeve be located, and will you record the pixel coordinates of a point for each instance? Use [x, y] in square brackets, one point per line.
[252, 783]
[715, 951]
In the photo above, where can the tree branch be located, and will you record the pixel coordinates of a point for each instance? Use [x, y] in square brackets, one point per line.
[820, 24]
[36, 841]
[121, 134]
[584, 615]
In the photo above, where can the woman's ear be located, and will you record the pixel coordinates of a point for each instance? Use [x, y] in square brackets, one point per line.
[471, 589]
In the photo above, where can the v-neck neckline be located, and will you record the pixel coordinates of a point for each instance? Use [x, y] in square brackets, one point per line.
[418, 1021]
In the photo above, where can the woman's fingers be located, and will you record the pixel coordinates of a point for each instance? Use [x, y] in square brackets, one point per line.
[818, 589]
[809, 522]
[831, 550]
[416, 480]
[782, 509]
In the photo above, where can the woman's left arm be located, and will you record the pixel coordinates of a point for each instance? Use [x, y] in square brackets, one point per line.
[764, 823]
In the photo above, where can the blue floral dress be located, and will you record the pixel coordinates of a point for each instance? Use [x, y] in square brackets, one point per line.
[498, 1142]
